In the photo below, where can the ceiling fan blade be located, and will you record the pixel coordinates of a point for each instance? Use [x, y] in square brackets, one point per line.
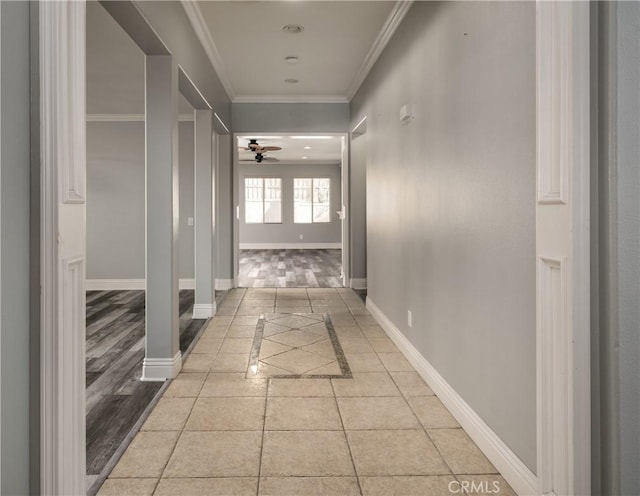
[271, 148]
[270, 159]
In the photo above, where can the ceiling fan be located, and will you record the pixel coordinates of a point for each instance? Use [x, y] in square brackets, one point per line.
[253, 146]
[259, 158]
[260, 151]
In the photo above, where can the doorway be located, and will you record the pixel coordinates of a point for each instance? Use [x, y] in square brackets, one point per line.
[359, 153]
[290, 193]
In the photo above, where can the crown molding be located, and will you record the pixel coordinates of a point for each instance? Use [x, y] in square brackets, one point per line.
[290, 99]
[192, 9]
[394, 19]
[129, 118]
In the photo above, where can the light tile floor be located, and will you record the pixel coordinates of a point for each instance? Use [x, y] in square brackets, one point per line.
[381, 432]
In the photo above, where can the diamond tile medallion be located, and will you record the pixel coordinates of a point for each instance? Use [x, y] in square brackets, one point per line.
[297, 345]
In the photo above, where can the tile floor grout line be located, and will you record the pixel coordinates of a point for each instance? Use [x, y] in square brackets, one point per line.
[264, 425]
[181, 432]
[344, 431]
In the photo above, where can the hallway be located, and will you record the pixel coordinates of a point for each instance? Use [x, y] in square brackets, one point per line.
[226, 428]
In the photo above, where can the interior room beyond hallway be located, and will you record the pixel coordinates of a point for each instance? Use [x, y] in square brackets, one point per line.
[290, 268]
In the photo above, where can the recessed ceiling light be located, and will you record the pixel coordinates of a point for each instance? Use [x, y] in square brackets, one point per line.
[291, 81]
[293, 28]
[307, 148]
[291, 60]
[305, 158]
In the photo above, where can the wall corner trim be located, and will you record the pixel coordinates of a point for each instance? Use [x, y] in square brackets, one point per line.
[515, 472]
[204, 310]
[161, 369]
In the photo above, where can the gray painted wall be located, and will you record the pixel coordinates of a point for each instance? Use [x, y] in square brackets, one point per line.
[186, 245]
[288, 231]
[628, 208]
[115, 200]
[290, 117]
[450, 201]
[224, 209]
[358, 206]
[115, 66]
[14, 247]
[616, 452]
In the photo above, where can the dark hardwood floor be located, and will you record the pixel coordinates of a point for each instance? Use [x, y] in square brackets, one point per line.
[116, 397]
[290, 268]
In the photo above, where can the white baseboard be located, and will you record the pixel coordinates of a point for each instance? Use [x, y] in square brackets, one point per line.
[515, 472]
[129, 284]
[161, 369]
[358, 283]
[224, 284]
[204, 310]
[289, 246]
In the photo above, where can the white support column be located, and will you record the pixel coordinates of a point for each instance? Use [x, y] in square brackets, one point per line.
[63, 247]
[163, 359]
[562, 248]
[205, 298]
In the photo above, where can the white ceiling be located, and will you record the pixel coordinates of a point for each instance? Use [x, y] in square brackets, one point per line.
[245, 43]
[340, 42]
[324, 149]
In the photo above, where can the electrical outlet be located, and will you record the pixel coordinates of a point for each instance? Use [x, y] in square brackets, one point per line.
[302, 236]
[409, 318]
[190, 221]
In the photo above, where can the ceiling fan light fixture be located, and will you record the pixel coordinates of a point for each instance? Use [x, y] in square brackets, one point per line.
[293, 28]
[291, 81]
[291, 59]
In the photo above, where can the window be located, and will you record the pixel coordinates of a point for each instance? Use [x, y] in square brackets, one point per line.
[311, 200]
[262, 200]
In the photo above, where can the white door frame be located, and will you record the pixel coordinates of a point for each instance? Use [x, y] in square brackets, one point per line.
[563, 89]
[359, 130]
[63, 237]
[345, 212]
[562, 246]
[344, 198]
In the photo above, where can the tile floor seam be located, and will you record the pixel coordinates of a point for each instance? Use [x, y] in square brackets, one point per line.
[155, 486]
[353, 463]
[264, 423]
[164, 468]
[438, 449]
